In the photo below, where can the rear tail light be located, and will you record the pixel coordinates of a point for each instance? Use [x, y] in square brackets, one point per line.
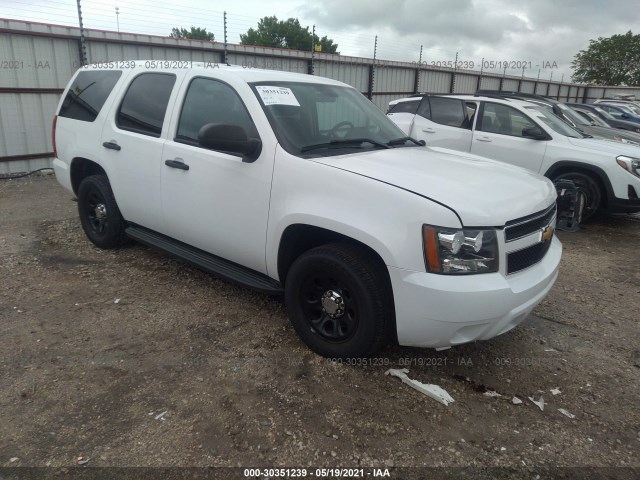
[53, 136]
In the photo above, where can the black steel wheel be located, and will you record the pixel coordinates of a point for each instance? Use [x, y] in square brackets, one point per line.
[339, 301]
[99, 213]
[589, 187]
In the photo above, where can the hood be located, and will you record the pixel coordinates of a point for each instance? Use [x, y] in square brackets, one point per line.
[614, 134]
[482, 192]
[606, 146]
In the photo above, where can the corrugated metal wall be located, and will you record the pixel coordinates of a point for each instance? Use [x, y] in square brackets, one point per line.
[49, 55]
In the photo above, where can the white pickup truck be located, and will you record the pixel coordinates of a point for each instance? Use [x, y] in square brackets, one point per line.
[296, 184]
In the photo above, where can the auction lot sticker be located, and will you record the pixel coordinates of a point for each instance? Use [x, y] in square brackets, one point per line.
[277, 96]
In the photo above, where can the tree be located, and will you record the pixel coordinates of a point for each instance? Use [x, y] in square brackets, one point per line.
[272, 32]
[609, 61]
[196, 33]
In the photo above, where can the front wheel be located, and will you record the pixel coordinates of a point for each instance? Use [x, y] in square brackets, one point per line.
[589, 187]
[339, 301]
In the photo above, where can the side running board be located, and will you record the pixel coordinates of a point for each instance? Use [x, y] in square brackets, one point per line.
[205, 261]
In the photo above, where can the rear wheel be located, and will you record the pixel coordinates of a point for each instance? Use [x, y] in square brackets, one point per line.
[339, 301]
[589, 187]
[99, 213]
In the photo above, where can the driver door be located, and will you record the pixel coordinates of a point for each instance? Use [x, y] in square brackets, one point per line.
[211, 199]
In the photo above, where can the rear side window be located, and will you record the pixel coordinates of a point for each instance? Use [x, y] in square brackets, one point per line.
[87, 95]
[144, 105]
[448, 111]
[405, 107]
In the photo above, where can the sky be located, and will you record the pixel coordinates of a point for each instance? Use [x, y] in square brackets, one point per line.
[542, 35]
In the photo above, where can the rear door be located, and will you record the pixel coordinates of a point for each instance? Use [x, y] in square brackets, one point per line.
[132, 140]
[498, 135]
[443, 122]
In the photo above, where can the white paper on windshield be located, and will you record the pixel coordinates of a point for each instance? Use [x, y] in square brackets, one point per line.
[277, 96]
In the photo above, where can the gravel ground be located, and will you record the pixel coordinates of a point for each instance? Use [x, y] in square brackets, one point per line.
[132, 358]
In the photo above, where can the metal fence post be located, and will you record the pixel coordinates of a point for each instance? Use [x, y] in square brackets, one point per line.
[225, 59]
[83, 45]
[452, 86]
[372, 70]
[416, 80]
[313, 51]
[504, 74]
[479, 84]
[549, 84]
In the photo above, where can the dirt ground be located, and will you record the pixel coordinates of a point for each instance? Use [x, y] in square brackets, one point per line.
[132, 358]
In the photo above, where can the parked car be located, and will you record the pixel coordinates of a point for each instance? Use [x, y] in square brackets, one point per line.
[298, 185]
[621, 112]
[624, 136]
[632, 104]
[563, 111]
[607, 117]
[527, 135]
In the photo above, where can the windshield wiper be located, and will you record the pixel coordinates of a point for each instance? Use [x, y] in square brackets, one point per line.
[351, 142]
[401, 140]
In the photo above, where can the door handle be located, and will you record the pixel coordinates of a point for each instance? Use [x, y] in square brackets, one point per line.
[112, 145]
[483, 139]
[177, 163]
[428, 130]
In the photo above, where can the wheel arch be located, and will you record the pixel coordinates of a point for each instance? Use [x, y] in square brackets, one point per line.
[299, 238]
[81, 168]
[596, 172]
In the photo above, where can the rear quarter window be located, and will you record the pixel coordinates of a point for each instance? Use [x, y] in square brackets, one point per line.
[405, 107]
[87, 94]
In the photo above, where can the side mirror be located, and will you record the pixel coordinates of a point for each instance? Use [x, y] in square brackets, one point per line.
[625, 115]
[230, 139]
[534, 133]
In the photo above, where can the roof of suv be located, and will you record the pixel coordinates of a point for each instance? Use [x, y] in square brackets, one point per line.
[206, 68]
[469, 97]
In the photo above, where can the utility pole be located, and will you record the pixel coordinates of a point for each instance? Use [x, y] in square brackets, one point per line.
[118, 18]
[83, 45]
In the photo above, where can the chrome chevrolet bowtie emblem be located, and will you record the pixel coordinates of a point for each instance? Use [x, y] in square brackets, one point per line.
[547, 233]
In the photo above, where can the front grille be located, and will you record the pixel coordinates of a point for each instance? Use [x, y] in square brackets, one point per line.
[527, 225]
[522, 227]
[526, 257]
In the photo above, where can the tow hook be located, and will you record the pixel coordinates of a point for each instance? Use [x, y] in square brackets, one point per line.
[570, 203]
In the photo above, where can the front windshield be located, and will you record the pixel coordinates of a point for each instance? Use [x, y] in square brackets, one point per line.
[594, 119]
[604, 113]
[319, 119]
[573, 116]
[554, 122]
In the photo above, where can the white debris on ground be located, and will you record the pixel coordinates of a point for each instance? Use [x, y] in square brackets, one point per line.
[491, 393]
[539, 403]
[434, 391]
[566, 413]
[516, 401]
[555, 391]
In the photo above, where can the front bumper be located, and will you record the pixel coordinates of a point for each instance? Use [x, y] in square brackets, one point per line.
[441, 311]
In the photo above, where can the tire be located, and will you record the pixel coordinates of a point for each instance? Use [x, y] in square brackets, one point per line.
[589, 187]
[99, 213]
[339, 301]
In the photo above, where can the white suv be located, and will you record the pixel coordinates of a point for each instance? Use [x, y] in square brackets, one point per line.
[527, 135]
[296, 184]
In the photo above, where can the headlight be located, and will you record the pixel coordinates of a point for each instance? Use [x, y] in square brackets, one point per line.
[460, 251]
[630, 164]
